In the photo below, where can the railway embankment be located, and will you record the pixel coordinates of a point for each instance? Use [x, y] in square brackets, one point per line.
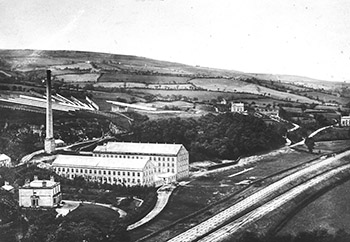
[267, 220]
[261, 198]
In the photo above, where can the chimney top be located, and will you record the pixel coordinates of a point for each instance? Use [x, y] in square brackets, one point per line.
[35, 177]
[52, 178]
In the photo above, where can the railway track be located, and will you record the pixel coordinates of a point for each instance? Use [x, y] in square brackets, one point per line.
[254, 202]
[249, 218]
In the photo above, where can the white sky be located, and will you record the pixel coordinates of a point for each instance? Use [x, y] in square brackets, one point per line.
[299, 37]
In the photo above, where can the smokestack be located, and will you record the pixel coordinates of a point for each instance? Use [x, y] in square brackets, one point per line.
[49, 140]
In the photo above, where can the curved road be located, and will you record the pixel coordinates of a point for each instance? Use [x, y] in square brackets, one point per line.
[162, 200]
[311, 135]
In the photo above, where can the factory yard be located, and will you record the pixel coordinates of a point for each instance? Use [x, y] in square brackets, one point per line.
[209, 193]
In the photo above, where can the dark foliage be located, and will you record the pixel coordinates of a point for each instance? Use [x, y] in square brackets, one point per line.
[310, 143]
[226, 136]
[88, 225]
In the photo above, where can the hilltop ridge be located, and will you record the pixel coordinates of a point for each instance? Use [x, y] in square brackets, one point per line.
[148, 79]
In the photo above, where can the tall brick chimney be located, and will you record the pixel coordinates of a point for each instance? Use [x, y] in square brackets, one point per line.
[49, 140]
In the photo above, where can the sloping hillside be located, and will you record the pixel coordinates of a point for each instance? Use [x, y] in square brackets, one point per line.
[120, 73]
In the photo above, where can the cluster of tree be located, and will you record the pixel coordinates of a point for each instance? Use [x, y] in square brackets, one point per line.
[225, 136]
[80, 189]
[8, 207]
[23, 132]
[320, 235]
[333, 134]
[16, 143]
[44, 226]
[74, 129]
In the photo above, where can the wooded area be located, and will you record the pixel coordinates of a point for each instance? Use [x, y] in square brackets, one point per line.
[223, 136]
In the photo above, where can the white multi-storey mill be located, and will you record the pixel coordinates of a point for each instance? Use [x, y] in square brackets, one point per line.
[106, 170]
[170, 160]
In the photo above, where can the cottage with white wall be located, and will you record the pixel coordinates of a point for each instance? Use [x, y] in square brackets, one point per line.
[345, 121]
[237, 107]
[5, 161]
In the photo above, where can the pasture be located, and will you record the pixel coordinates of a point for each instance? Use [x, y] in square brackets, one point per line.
[80, 66]
[143, 85]
[146, 79]
[201, 95]
[80, 78]
[229, 85]
[326, 97]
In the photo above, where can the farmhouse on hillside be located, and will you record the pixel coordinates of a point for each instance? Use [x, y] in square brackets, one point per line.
[345, 121]
[237, 107]
[5, 161]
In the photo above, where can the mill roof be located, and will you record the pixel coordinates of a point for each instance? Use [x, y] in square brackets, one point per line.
[139, 148]
[100, 162]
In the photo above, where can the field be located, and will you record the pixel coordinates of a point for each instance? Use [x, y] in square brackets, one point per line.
[143, 85]
[326, 97]
[301, 81]
[179, 104]
[229, 85]
[201, 95]
[96, 213]
[329, 212]
[146, 79]
[32, 62]
[334, 133]
[80, 66]
[175, 114]
[58, 73]
[78, 78]
[120, 85]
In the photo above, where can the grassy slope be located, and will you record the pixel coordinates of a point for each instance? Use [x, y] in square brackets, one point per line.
[229, 85]
[114, 68]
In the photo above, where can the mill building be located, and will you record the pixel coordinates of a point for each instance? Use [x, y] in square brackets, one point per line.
[171, 161]
[106, 169]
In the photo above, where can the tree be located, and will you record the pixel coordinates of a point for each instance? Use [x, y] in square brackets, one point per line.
[310, 143]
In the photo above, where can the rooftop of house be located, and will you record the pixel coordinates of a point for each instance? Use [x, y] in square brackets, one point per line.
[7, 186]
[100, 162]
[139, 148]
[36, 183]
[4, 157]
